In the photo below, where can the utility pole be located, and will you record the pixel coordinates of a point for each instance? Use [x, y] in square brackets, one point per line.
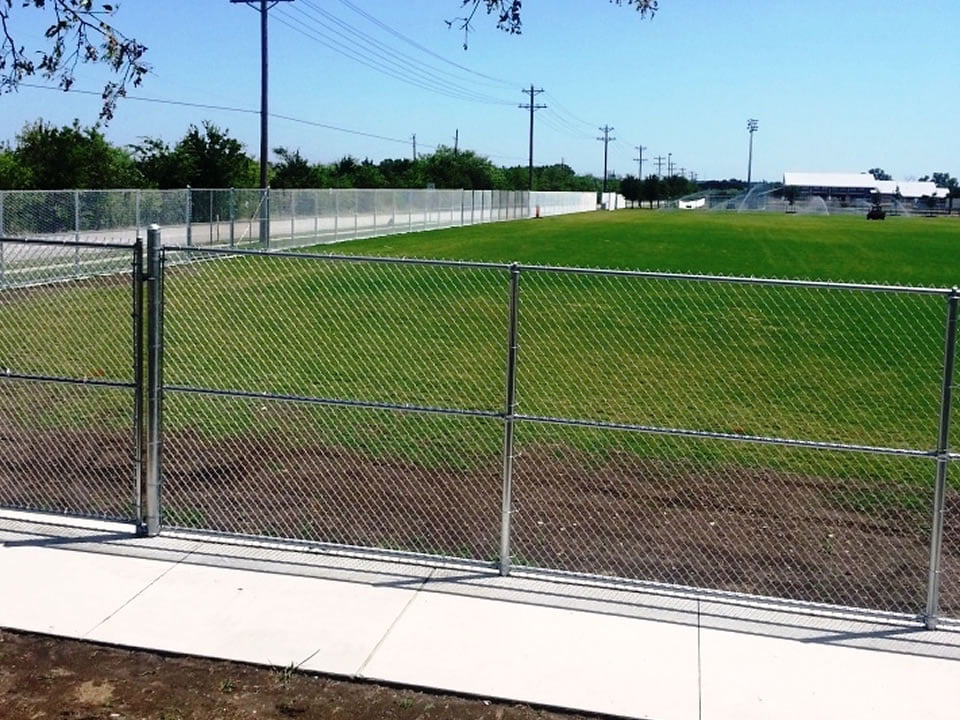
[683, 172]
[751, 128]
[456, 141]
[414, 138]
[264, 141]
[532, 107]
[659, 160]
[669, 164]
[606, 141]
[639, 159]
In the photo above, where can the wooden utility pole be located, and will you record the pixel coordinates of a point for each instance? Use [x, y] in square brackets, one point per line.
[264, 114]
[532, 107]
[639, 159]
[606, 129]
[659, 160]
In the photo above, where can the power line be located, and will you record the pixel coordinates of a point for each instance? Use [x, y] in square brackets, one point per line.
[418, 46]
[251, 111]
[374, 55]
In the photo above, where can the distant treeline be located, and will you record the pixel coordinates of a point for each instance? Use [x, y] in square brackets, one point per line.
[45, 157]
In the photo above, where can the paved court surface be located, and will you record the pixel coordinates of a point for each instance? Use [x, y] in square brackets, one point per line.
[467, 630]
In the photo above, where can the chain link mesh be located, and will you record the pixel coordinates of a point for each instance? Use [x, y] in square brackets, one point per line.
[842, 528]
[810, 364]
[319, 327]
[362, 477]
[67, 391]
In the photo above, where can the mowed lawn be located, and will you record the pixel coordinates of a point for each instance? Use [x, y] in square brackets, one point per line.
[899, 250]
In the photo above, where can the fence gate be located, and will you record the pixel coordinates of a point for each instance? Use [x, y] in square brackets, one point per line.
[70, 373]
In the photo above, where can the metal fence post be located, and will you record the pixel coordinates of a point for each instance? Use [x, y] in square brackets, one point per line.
[265, 218]
[409, 210]
[506, 498]
[356, 212]
[189, 217]
[76, 232]
[151, 519]
[336, 214]
[943, 460]
[138, 389]
[137, 213]
[316, 216]
[232, 216]
[210, 217]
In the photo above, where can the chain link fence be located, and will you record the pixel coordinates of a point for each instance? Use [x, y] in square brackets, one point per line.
[274, 219]
[70, 386]
[752, 437]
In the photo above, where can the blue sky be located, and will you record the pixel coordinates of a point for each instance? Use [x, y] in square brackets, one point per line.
[837, 85]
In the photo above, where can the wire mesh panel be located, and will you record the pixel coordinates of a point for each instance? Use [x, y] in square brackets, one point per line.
[840, 528]
[801, 362]
[68, 419]
[315, 326]
[348, 476]
[950, 569]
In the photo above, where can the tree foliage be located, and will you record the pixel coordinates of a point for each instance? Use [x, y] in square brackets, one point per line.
[50, 158]
[46, 157]
[508, 13]
[879, 174]
[80, 31]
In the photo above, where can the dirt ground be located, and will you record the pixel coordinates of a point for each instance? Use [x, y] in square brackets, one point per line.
[855, 541]
[51, 678]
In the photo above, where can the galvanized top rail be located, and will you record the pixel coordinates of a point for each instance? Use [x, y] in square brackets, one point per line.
[71, 243]
[652, 275]
[735, 280]
[338, 258]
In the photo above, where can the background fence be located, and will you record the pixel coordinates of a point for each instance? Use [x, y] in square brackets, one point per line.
[761, 437]
[296, 218]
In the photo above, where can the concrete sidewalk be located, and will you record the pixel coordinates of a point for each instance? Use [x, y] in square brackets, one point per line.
[594, 649]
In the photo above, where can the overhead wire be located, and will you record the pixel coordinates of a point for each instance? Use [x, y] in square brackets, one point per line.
[418, 46]
[368, 53]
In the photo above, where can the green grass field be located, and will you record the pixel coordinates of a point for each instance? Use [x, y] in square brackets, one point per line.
[822, 365]
[900, 250]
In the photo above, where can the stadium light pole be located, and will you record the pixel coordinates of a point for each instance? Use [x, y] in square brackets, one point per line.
[752, 128]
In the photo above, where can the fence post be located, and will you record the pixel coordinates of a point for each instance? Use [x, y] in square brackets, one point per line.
[137, 213]
[356, 212]
[943, 460]
[138, 391]
[336, 214]
[506, 508]
[210, 216]
[292, 194]
[3, 195]
[151, 519]
[189, 218]
[409, 210]
[316, 216]
[76, 232]
[232, 216]
[265, 218]
[375, 194]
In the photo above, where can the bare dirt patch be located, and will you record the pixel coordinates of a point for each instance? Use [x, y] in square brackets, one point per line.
[861, 542]
[52, 678]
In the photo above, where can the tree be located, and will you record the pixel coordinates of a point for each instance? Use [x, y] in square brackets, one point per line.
[293, 171]
[630, 188]
[879, 174]
[79, 32]
[207, 159]
[51, 158]
[508, 13]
